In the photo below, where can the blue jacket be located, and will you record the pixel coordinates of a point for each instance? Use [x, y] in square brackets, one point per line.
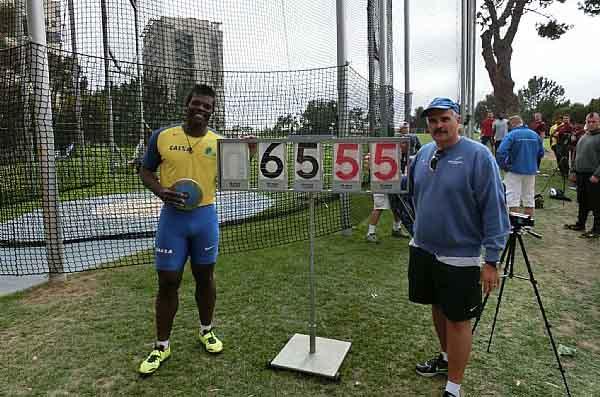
[520, 151]
[460, 205]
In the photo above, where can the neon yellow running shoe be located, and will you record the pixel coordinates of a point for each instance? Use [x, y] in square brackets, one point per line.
[156, 357]
[211, 343]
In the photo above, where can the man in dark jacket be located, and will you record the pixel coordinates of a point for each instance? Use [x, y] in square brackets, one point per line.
[587, 177]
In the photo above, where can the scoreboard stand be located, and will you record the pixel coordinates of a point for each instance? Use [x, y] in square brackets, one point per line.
[308, 353]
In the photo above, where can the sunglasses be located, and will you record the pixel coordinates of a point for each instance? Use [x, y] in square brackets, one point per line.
[435, 159]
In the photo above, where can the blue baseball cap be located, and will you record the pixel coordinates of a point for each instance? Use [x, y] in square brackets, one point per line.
[441, 103]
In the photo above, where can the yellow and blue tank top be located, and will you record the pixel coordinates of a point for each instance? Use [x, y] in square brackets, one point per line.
[178, 156]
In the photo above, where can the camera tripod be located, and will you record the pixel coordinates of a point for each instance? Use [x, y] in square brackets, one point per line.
[508, 259]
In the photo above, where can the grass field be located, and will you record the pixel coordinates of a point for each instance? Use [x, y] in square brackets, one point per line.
[87, 336]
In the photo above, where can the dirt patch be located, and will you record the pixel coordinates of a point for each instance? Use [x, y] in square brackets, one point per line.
[569, 326]
[75, 286]
[590, 345]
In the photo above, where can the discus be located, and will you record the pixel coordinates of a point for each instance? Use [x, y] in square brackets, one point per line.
[192, 193]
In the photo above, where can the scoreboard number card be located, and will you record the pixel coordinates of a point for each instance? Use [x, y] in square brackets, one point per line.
[308, 167]
[272, 166]
[234, 166]
[347, 167]
[385, 167]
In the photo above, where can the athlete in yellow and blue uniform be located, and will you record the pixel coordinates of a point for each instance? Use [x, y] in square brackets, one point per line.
[188, 151]
[183, 234]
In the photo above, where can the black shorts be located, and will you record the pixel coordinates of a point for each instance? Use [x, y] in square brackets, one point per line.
[457, 290]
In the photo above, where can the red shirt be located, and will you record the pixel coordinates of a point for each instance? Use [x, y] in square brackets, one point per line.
[564, 128]
[486, 127]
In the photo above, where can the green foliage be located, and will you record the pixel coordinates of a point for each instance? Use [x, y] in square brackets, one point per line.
[590, 7]
[541, 95]
[319, 117]
[419, 122]
[488, 104]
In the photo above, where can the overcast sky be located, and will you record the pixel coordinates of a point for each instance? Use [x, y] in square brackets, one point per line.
[262, 35]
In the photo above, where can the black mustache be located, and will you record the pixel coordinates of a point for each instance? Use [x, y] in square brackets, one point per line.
[439, 130]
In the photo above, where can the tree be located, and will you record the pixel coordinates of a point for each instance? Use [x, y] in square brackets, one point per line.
[357, 121]
[499, 21]
[590, 7]
[418, 121]
[286, 125]
[488, 104]
[541, 95]
[319, 117]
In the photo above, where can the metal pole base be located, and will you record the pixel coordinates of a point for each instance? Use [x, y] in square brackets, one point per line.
[325, 361]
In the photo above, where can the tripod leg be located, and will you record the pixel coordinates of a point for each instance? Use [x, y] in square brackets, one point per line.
[508, 273]
[485, 299]
[546, 323]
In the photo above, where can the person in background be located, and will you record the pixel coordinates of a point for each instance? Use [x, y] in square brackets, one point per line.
[519, 155]
[538, 125]
[383, 201]
[460, 208]
[587, 177]
[500, 128]
[487, 131]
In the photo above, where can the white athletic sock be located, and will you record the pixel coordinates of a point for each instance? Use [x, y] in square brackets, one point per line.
[396, 226]
[445, 356]
[205, 327]
[372, 229]
[163, 343]
[453, 388]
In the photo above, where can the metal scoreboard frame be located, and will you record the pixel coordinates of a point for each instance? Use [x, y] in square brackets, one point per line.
[315, 163]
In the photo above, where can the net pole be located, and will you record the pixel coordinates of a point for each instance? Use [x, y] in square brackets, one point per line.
[43, 123]
[383, 75]
[76, 89]
[30, 142]
[407, 92]
[469, 69]
[108, 87]
[463, 62]
[313, 299]
[138, 66]
[342, 109]
[472, 57]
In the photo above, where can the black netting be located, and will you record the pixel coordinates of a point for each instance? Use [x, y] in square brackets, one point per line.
[75, 115]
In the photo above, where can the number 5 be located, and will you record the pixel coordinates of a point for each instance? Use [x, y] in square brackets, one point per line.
[380, 159]
[341, 159]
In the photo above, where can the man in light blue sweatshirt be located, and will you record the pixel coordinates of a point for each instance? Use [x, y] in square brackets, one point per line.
[519, 155]
[460, 209]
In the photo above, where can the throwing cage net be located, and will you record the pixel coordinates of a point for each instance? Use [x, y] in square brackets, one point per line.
[119, 69]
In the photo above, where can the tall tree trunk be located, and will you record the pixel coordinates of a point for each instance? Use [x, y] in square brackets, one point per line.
[497, 55]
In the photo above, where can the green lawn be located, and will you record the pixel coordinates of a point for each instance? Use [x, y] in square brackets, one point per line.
[86, 337]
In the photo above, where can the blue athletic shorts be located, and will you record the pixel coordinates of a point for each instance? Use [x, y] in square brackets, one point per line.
[183, 234]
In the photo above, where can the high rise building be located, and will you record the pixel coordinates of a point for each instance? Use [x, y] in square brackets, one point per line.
[52, 9]
[181, 52]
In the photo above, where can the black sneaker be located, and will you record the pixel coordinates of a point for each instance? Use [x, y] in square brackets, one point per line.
[575, 226]
[433, 367]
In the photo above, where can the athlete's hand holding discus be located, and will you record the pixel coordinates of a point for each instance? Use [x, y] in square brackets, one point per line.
[172, 197]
